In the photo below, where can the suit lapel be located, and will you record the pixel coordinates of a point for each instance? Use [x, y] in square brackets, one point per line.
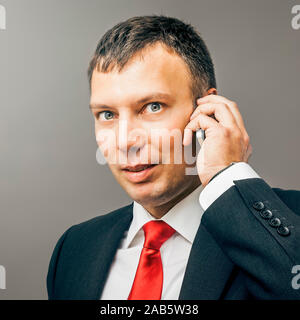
[207, 271]
[92, 270]
[112, 243]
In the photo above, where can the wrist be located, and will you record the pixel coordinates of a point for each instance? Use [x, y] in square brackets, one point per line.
[220, 171]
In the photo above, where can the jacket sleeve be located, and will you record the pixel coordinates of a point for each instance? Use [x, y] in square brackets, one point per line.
[260, 233]
[53, 265]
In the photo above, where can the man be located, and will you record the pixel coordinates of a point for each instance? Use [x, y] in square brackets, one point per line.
[222, 233]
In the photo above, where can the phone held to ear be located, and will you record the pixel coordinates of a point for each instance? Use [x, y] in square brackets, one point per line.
[200, 134]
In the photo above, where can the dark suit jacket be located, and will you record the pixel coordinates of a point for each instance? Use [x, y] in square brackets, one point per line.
[236, 253]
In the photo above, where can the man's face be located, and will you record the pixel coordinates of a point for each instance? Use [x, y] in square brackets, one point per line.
[117, 98]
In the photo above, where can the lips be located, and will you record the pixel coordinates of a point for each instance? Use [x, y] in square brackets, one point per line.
[138, 168]
[138, 173]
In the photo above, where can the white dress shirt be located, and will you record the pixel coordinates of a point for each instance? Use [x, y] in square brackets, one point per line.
[185, 218]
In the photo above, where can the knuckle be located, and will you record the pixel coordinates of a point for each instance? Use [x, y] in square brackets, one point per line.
[226, 132]
[234, 104]
[239, 136]
[247, 139]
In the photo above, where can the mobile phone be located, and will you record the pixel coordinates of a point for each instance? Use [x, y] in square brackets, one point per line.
[200, 134]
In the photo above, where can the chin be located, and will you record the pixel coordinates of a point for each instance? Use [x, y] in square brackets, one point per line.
[148, 192]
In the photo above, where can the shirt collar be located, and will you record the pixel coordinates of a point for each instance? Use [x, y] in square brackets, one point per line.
[184, 217]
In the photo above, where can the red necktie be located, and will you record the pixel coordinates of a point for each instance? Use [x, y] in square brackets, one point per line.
[148, 281]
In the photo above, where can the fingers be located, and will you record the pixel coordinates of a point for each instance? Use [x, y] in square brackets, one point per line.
[202, 121]
[221, 112]
[231, 104]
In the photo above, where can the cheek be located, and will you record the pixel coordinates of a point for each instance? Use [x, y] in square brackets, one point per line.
[166, 141]
[177, 121]
[106, 141]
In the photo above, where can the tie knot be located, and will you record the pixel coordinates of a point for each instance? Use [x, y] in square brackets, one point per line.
[156, 233]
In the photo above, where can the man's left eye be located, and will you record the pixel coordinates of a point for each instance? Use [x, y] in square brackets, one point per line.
[154, 107]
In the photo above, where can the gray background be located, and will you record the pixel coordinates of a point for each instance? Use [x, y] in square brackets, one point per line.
[49, 177]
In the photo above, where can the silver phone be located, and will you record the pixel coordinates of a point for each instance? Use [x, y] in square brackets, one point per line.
[200, 134]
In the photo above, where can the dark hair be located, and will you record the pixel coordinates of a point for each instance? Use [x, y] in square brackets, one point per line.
[126, 38]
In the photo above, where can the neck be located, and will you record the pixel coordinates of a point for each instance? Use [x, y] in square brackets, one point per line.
[160, 210]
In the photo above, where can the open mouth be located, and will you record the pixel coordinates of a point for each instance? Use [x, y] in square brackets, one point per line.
[139, 168]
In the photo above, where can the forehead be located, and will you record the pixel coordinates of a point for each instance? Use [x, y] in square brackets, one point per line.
[154, 68]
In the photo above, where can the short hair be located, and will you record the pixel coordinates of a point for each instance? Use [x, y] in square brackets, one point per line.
[126, 38]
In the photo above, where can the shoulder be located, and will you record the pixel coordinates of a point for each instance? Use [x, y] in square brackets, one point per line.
[96, 226]
[88, 231]
[104, 221]
[290, 197]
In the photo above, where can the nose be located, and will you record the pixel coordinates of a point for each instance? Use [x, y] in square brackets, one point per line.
[131, 139]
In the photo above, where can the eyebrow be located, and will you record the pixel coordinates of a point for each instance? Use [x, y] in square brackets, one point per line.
[152, 96]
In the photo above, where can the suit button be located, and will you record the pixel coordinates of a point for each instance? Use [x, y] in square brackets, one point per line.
[266, 214]
[258, 205]
[275, 222]
[283, 230]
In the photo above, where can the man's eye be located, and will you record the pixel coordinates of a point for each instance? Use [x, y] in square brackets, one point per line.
[153, 107]
[105, 115]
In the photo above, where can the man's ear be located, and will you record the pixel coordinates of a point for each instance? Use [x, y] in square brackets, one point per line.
[211, 91]
[208, 92]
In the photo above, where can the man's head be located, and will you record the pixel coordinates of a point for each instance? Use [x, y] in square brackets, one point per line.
[134, 62]
[120, 43]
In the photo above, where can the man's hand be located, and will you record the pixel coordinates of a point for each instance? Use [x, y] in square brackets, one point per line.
[226, 137]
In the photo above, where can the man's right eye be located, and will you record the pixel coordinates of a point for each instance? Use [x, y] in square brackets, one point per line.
[105, 115]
